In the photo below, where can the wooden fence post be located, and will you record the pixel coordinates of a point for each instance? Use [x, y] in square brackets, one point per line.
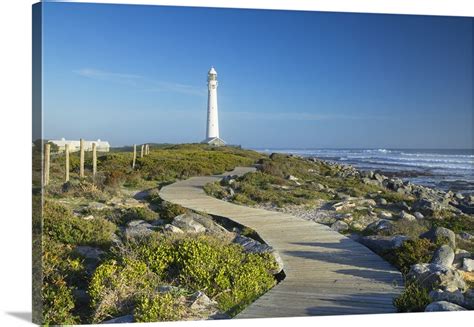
[47, 154]
[66, 155]
[94, 159]
[81, 170]
[141, 152]
[134, 156]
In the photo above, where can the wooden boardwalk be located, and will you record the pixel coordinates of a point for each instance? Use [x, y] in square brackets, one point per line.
[326, 272]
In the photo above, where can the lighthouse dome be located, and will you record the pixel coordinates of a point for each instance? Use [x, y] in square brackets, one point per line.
[212, 71]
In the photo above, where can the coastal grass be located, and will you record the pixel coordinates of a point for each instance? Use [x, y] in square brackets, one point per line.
[283, 180]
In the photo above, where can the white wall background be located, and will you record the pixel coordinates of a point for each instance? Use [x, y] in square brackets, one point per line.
[15, 161]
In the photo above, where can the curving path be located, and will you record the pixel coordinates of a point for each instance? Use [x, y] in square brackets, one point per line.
[326, 272]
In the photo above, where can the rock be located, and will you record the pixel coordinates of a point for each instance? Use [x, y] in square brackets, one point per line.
[406, 216]
[439, 234]
[459, 257]
[468, 264]
[444, 255]
[252, 246]
[118, 320]
[89, 252]
[382, 202]
[459, 196]
[367, 202]
[426, 206]
[402, 205]
[385, 215]
[340, 226]
[469, 299]
[380, 226]
[455, 297]
[466, 236]
[443, 306]
[418, 215]
[173, 229]
[89, 217]
[292, 178]
[380, 244]
[187, 223]
[369, 181]
[379, 178]
[431, 275]
[200, 301]
[218, 316]
[343, 206]
[96, 206]
[138, 228]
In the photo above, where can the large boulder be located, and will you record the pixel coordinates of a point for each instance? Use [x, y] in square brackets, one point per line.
[431, 276]
[252, 246]
[173, 229]
[406, 216]
[469, 299]
[138, 228]
[382, 225]
[426, 206]
[201, 302]
[444, 255]
[468, 264]
[385, 215]
[436, 234]
[443, 306]
[455, 297]
[380, 244]
[187, 223]
[340, 226]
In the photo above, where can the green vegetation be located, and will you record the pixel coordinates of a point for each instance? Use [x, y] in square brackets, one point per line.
[456, 222]
[314, 181]
[61, 225]
[220, 269]
[411, 252]
[414, 298]
[160, 307]
[60, 272]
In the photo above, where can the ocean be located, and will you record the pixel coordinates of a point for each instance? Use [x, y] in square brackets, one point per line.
[442, 169]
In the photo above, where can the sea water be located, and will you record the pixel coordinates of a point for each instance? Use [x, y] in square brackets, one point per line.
[443, 169]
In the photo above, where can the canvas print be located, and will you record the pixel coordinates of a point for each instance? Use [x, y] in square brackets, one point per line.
[205, 163]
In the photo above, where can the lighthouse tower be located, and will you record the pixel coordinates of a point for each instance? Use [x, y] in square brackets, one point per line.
[212, 130]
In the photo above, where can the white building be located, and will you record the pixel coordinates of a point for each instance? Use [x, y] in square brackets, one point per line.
[212, 130]
[101, 146]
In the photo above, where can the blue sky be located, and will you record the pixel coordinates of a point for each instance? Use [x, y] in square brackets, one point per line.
[132, 74]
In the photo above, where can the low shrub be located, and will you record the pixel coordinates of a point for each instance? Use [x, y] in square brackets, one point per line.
[60, 272]
[411, 252]
[61, 225]
[457, 223]
[220, 269]
[116, 285]
[414, 298]
[158, 307]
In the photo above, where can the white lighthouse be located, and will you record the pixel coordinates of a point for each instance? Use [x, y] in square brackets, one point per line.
[212, 130]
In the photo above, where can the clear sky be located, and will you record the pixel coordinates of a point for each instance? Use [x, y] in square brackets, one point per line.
[132, 74]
